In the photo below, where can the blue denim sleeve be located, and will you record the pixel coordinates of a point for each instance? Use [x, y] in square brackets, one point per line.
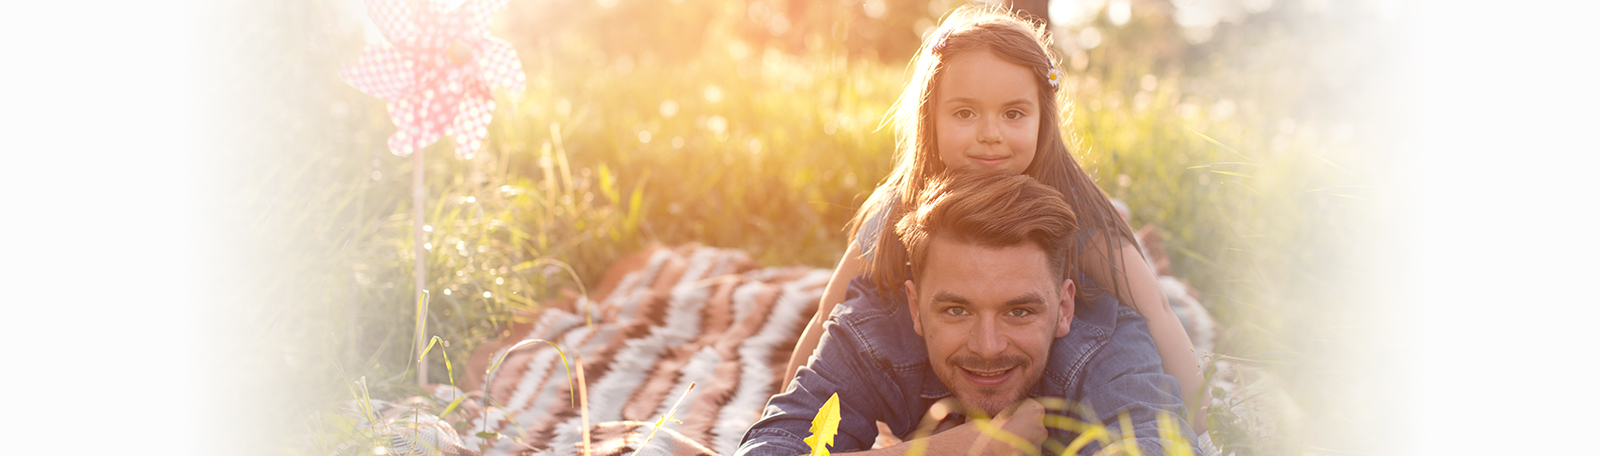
[842, 365]
[1126, 377]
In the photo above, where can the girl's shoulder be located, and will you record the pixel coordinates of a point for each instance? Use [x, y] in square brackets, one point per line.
[867, 233]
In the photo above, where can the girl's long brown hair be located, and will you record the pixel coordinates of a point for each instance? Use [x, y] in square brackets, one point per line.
[973, 28]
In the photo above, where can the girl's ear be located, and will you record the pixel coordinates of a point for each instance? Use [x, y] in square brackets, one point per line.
[1069, 293]
[911, 300]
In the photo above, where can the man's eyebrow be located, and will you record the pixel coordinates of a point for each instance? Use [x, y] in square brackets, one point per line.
[945, 296]
[1025, 299]
[1030, 298]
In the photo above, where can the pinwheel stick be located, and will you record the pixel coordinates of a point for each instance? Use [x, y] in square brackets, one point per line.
[435, 68]
[418, 192]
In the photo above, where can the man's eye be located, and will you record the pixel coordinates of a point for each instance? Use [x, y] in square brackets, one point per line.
[955, 311]
[1019, 313]
[1015, 114]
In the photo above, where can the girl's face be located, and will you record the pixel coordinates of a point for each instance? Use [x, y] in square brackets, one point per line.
[986, 113]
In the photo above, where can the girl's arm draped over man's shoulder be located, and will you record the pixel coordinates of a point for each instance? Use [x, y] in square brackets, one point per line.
[850, 266]
[1143, 294]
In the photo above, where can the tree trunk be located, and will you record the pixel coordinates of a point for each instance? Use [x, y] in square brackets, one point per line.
[1039, 10]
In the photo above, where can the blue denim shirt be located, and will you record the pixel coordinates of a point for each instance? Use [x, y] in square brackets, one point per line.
[876, 362]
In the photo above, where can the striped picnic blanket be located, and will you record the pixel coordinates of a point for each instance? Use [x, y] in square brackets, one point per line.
[661, 320]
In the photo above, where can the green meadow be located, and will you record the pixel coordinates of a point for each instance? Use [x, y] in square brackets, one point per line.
[716, 123]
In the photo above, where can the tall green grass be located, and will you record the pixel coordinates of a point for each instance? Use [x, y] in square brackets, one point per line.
[728, 142]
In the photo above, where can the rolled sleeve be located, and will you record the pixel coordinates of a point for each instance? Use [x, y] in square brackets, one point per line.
[1126, 377]
[772, 441]
[842, 366]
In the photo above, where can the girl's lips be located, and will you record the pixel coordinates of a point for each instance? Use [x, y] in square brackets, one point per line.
[988, 379]
[989, 162]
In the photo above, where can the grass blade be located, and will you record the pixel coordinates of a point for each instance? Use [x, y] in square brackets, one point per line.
[668, 417]
[988, 429]
[448, 368]
[421, 329]
[1218, 143]
[1230, 173]
[1171, 434]
[1130, 442]
[583, 292]
[583, 407]
[488, 378]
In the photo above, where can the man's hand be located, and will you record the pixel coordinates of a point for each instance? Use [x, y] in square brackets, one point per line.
[1017, 430]
[1026, 420]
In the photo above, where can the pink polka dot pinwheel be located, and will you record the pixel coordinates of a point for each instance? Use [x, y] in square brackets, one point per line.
[436, 70]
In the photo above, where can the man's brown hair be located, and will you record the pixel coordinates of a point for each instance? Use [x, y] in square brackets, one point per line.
[989, 208]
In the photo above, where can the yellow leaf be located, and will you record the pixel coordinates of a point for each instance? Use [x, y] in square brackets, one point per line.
[824, 426]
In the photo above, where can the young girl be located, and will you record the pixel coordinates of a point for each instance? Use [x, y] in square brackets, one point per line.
[985, 93]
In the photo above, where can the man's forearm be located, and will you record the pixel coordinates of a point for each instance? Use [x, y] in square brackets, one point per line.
[959, 440]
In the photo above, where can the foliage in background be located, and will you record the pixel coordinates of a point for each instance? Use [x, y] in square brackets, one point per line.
[752, 125]
[1259, 147]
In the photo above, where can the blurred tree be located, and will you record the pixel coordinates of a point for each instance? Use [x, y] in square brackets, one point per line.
[1038, 9]
[682, 30]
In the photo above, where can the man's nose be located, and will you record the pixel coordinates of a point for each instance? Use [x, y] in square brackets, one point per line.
[987, 340]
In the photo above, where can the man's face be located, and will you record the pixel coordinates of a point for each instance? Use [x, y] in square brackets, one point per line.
[988, 316]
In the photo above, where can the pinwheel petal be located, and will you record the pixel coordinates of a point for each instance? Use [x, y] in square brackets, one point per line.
[471, 124]
[437, 71]
[461, 19]
[499, 66]
[424, 116]
[410, 135]
[395, 21]
[492, 6]
[444, 6]
[465, 21]
[382, 71]
[436, 32]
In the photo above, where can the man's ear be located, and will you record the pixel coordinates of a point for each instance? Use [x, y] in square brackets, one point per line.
[911, 300]
[1069, 293]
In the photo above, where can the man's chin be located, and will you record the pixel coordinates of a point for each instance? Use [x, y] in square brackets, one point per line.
[991, 406]
[991, 401]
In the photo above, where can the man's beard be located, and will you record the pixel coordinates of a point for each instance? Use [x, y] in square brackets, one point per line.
[991, 401]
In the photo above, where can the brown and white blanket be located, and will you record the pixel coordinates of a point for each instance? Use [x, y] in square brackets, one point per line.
[661, 320]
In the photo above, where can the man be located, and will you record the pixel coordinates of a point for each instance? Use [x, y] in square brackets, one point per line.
[990, 319]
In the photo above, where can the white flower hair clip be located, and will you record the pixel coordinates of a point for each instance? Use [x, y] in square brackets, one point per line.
[1055, 78]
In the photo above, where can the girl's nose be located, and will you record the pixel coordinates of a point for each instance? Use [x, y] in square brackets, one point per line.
[989, 132]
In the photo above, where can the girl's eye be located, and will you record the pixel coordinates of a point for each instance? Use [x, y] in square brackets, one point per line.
[965, 114]
[1014, 114]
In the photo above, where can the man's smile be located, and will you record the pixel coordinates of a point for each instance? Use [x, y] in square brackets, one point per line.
[987, 378]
